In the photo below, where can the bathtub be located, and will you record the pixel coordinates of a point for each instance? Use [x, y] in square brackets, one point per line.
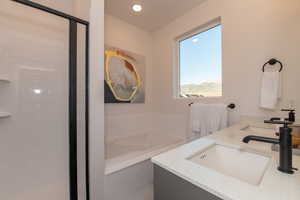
[124, 152]
[128, 168]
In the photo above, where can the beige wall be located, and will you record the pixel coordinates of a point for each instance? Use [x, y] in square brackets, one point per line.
[253, 32]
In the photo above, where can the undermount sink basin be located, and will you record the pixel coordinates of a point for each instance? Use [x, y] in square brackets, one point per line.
[235, 162]
[258, 130]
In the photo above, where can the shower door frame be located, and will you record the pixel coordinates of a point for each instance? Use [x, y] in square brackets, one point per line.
[73, 22]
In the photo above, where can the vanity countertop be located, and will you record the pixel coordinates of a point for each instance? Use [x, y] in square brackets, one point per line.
[274, 185]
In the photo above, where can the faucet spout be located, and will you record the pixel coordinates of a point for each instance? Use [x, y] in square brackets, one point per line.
[260, 139]
[285, 142]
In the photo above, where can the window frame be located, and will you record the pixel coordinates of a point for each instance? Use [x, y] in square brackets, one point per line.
[176, 76]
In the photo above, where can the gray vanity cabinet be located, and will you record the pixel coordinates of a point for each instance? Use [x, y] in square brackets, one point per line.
[168, 186]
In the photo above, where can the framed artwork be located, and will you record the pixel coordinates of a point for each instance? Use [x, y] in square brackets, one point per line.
[124, 76]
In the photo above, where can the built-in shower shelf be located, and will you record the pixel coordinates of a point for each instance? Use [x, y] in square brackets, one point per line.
[4, 78]
[5, 114]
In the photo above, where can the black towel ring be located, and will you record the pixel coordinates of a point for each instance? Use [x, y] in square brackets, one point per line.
[273, 61]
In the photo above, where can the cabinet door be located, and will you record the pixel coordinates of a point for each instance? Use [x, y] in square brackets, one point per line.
[168, 186]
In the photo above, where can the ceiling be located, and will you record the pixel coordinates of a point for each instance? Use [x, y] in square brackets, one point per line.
[155, 14]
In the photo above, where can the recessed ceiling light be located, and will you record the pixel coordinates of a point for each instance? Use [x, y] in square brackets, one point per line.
[137, 8]
[195, 40]
[37, 91]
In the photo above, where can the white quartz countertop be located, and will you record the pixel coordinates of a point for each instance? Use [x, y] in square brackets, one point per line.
[274, 185]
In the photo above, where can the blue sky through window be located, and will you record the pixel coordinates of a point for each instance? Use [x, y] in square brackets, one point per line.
[201, 57]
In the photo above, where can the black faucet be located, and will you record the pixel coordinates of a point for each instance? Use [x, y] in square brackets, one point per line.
[285, 142]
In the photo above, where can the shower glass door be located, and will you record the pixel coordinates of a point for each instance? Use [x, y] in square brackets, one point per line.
[34, 139]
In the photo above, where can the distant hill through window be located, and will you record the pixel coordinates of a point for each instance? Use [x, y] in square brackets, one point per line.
[206, 89]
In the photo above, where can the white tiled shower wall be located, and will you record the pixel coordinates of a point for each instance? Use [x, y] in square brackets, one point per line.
[34, 140]
[126, 125]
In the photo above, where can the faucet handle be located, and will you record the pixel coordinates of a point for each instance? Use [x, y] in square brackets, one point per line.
[275, 119]
[292, 114]
[278, 122]
[288, 110]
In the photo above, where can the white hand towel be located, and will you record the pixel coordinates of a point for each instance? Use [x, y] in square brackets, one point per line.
[207, 119]
[270, 90]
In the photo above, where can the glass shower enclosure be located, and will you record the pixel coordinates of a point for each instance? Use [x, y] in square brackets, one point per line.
[43, 103]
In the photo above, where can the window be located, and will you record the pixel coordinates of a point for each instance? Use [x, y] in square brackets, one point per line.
[200, 63]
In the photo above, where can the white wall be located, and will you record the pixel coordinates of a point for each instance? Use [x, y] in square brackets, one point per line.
[97, 100]
[253, 32]
[122, 120]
